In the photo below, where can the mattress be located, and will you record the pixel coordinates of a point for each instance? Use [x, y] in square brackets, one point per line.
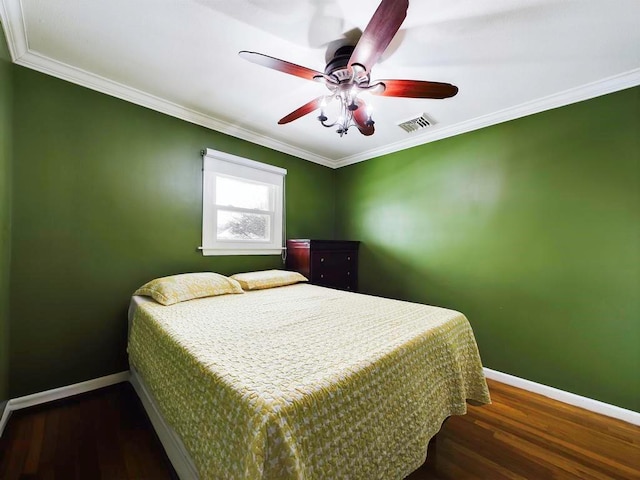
[305, 382]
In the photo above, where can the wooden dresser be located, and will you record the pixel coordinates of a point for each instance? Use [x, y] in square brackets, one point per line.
[329, 263]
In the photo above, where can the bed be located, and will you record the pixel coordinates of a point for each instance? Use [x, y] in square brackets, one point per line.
[303, 382]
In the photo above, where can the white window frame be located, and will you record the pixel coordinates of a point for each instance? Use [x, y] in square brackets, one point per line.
[216, 163]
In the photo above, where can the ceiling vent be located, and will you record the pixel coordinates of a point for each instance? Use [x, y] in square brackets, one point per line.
[415, 124]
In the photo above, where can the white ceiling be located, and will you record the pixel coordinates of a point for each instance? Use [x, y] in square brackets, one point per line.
[509, 58]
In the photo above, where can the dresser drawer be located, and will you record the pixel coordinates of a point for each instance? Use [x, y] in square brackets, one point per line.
[329, 263]
[334, 269]
[332, 260]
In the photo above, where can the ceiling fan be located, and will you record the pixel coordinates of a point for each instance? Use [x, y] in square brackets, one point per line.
[348, 74]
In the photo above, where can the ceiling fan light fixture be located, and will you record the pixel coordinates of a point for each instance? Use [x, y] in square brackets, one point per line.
[369, 110]
[346, 95]
[348, 73]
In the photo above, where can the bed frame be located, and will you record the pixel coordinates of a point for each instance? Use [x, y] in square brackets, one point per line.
[170, 440]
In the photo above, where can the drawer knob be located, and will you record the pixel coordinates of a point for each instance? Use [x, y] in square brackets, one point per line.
[348, 273]
[322, 259]
[321, 275]
[348, 258]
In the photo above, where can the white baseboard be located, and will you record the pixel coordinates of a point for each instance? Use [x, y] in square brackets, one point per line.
[58, 393]
[6, 413]
[590, 404]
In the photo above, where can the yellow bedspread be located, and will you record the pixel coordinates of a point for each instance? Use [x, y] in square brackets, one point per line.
[305, 382]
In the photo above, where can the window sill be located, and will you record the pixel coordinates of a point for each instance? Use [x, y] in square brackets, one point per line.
[245, 251]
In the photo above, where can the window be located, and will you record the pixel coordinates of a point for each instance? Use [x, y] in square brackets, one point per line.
[242, 206]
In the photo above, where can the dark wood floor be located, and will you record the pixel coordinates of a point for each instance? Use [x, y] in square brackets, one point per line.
[106, 435]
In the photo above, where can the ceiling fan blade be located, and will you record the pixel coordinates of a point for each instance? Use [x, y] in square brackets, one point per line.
[360, 116]
[280, 65]
[381, 29]
[302, 111]
[415, 89]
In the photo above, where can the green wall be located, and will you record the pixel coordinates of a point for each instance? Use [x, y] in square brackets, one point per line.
[531, 228]
[106, 196]
[6, 104]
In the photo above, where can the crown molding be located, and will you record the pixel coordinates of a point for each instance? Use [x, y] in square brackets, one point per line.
[100, 84]
[567, 97]
[12, 19]
[13, 24]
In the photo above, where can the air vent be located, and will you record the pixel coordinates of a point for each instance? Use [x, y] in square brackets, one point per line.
[416, 124]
